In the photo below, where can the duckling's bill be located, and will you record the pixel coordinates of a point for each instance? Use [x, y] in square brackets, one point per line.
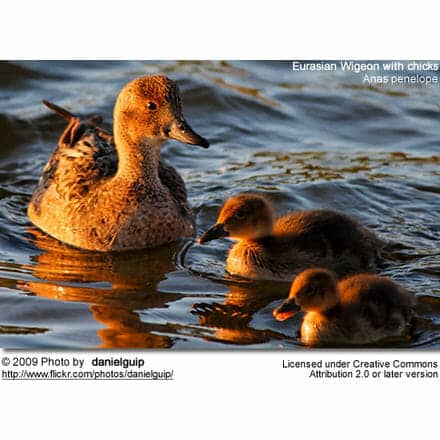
[217, 231]
[286, 310]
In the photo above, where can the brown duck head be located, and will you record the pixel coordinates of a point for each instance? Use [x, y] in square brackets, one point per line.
[243, 217]
[314, 290]
[150, 108]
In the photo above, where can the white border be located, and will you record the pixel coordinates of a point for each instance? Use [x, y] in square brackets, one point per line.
[222, 394]
[230, 29]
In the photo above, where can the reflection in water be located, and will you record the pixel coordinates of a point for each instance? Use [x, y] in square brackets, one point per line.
[114, 284]
[230, 320]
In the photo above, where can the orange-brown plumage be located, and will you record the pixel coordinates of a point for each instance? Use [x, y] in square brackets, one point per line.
[110, 191]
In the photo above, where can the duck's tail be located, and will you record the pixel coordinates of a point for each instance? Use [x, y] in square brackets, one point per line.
[59, 110]
[77, 125]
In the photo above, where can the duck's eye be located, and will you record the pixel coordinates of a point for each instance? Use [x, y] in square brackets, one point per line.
[239, 215]
[312, 291]
[152, 106]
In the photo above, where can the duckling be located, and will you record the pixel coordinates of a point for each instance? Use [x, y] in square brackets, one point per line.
[359, 309]
[276, 249]
[107, 191]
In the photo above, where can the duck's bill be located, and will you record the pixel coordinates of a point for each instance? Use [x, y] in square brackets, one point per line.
[182, 132]
[286, 310]
[217, 231]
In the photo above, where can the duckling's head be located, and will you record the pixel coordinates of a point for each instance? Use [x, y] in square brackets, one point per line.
[314, 290]
[243, 217]
[149, 108]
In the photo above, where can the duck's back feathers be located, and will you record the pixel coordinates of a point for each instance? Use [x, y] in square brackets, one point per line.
[85, 149]
[381, 301]
[323, 238]
[310, 228]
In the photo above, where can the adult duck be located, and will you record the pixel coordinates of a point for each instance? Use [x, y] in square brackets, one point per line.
[110, 191]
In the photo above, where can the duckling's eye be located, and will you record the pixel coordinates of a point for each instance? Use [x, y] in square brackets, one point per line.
[152, 105]
[311, 291]
[240, 215]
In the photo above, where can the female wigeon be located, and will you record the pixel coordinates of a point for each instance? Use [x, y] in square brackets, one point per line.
[109, 191]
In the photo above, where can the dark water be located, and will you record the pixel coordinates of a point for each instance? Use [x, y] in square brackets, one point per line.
[307, 140]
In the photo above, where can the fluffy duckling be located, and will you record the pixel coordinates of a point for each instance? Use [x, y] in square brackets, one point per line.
[276, 249]
[360, 309]
[107, 191]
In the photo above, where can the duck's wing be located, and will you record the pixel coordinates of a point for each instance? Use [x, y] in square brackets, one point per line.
[306, 230]
[85, 154]
[172, 180]
[327, 238]
[380, 300]
[323, 229]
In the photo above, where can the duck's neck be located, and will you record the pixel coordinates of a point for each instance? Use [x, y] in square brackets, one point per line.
[138, 157]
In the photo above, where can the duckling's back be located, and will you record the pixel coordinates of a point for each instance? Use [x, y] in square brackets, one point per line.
[379, 300]
[331, 239]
